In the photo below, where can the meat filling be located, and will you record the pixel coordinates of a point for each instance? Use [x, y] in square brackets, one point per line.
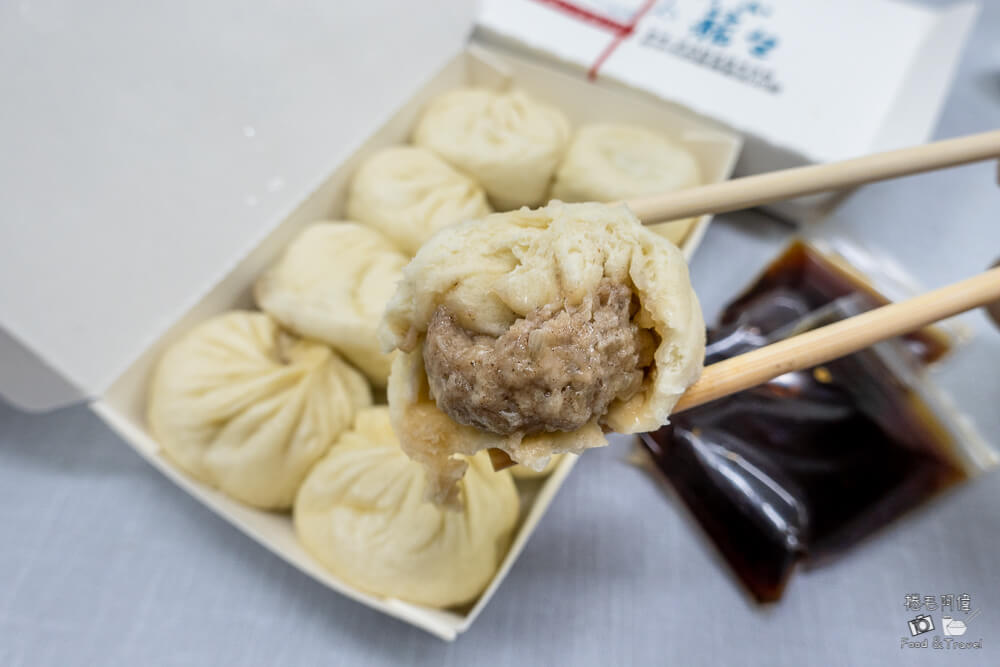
[553, 370]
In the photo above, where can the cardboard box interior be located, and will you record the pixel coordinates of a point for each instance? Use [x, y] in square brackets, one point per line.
[123, 406]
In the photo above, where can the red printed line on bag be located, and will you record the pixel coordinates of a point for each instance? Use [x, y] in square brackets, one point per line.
[622, 31]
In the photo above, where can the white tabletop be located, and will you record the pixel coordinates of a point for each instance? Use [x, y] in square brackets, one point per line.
[103, 561]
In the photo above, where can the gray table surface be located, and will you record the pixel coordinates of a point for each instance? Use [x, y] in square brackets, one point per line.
[103, 561]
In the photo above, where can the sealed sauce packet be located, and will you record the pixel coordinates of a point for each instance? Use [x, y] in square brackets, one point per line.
[802, 468]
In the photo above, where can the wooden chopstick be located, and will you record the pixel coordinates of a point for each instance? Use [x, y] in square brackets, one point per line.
[762, 189]
[993, 309]
[839, 339]
[835, 340]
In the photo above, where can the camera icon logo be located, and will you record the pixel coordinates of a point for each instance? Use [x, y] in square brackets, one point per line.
[920, 624]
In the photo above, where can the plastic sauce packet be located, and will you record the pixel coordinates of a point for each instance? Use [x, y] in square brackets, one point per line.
[802, 468]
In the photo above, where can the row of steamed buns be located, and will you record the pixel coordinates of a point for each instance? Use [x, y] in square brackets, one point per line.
[475, 150]
[274, 408]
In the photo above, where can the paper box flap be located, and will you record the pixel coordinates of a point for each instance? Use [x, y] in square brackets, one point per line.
[822, 80]
[146, 150]
[929, 78]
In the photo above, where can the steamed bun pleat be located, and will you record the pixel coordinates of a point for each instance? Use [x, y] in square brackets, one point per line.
[408, 193]
[332, 284]
[363, 512]
[248, 408]
[509, 142]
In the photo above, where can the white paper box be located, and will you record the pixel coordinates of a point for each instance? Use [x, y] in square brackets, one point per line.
[123, 403]
[803, 81]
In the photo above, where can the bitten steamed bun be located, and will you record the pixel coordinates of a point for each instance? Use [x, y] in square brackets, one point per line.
[609, 162]
[534, 331]
[408, 193]
[248, 408]
[362, 512]
[332, 284]
[509, 142]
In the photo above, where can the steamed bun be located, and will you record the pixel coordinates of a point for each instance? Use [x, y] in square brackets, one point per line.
[609, 162]
[408, 193]
[331, 284]
[509, 142]
[542, 307]
[362, 512]
[248, 408]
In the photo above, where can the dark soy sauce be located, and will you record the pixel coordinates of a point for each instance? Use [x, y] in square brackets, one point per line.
[807, 465]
